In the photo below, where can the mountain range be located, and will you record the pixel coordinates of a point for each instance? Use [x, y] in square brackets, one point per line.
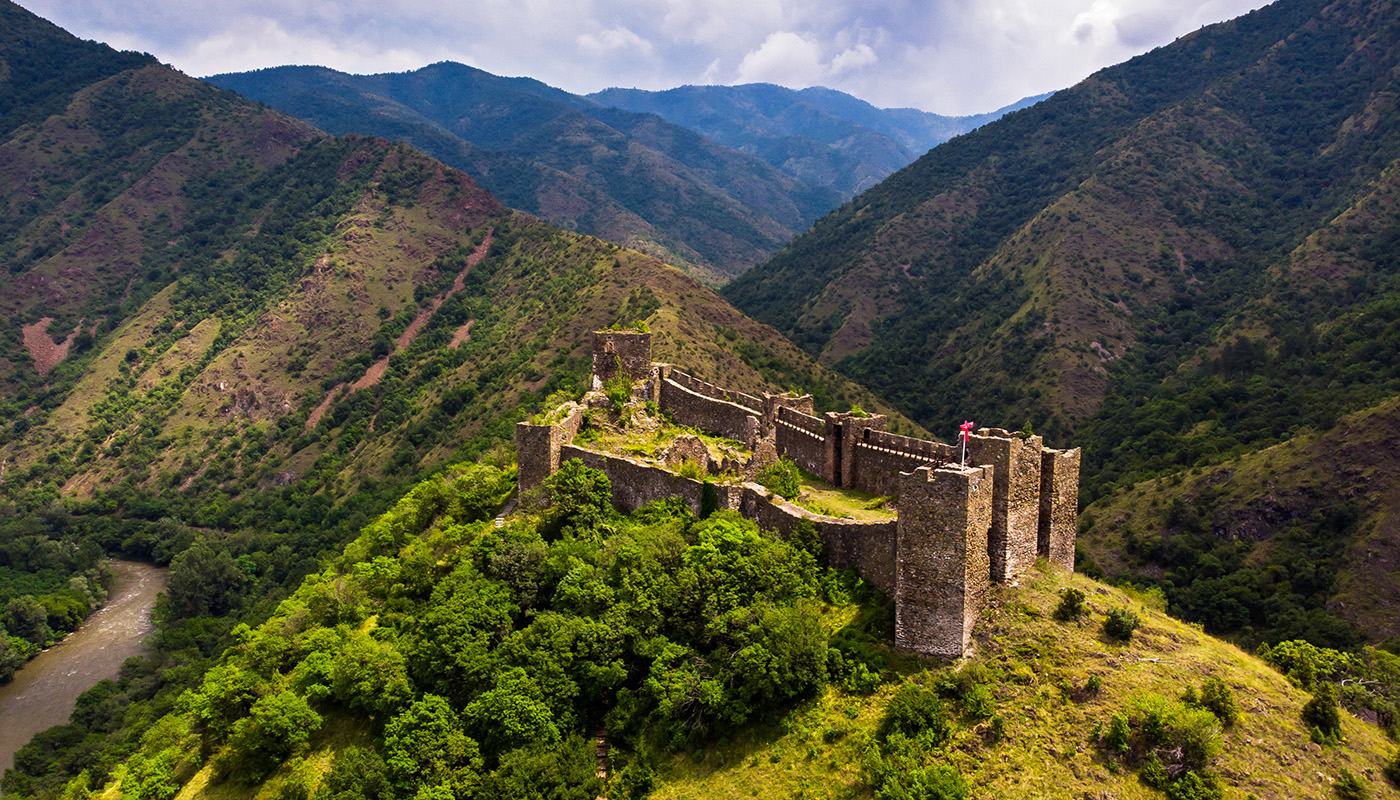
[711, 179]
[819, 135]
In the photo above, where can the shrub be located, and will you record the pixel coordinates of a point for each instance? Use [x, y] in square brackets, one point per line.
[1154, 772]
[1392, 769]
[1120, 623]
[781, 478]
[1219, 699]
[1071, 606]
[913, 711]
[997, 731]
[1093, 685]
[1349, 786]
[689, 469]
[1117, 737]
[1321, 713]
[1195, 786]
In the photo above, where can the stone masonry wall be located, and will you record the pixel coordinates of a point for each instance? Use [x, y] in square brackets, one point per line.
[537, 446]
[851, 429]
[1059, 506]
[719, 417]
[869, 547]
[773, 403]
[629, 349]
[635, 484]
[942, 572]
[806, 440]
[1016, 505]
[712, 391]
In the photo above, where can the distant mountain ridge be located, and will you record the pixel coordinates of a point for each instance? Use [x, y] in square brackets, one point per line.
[820, 135]
[630, 178]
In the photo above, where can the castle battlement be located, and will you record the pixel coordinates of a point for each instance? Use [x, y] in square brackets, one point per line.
[959, 528]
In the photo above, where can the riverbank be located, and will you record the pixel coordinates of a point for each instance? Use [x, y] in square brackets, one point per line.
[44, 691]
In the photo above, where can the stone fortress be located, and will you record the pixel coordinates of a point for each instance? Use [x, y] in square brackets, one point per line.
[958, 528]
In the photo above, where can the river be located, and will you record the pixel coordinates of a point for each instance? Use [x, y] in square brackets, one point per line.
[45, 690]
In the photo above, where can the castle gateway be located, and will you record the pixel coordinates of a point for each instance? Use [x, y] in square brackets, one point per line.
[958, 527]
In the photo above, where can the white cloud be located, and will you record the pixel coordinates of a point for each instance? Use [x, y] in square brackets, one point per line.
[784, 58]
[862, 55]
[949, 56]
[613, 39]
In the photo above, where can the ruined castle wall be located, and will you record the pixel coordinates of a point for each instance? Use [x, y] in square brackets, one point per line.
[714, 392]
[772, 402]
[535, 454]
[537, 446]
[628, 349]
[877, 469]
[809, 441]
[635, 484]
[876, 458]
[942, 574]
[1059, 505]
[1015, 500]
[718, 417]
[869, 547]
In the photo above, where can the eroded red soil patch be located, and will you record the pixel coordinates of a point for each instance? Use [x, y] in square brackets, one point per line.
[461, 335]
[42, 349]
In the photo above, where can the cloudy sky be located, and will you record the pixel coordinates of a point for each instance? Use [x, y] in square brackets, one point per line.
[946, 56]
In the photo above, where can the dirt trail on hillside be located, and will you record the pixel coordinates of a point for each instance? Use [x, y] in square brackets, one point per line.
[376, 371]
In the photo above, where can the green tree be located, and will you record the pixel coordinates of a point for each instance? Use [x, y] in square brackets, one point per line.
[26, 618]
[425, 746]
[278, 725]
[358, 774]
[511, 714]
[204, 582]
[581, 497]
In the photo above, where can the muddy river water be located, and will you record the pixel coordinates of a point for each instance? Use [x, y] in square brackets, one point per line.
[43, 693]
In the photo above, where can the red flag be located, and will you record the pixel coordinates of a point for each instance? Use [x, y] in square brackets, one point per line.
[966, 429]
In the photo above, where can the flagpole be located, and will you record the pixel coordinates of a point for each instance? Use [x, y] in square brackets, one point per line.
[965, 429]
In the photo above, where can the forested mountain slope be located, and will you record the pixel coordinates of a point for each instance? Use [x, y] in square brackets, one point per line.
[1187, 257]
[634, 179]
[822, 136]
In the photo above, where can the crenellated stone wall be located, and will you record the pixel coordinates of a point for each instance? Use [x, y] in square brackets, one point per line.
[808, 441]
[959, 528]
[720, 417]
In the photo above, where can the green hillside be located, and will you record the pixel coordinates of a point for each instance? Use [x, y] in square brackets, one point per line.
[707, 658]
[633, 179]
